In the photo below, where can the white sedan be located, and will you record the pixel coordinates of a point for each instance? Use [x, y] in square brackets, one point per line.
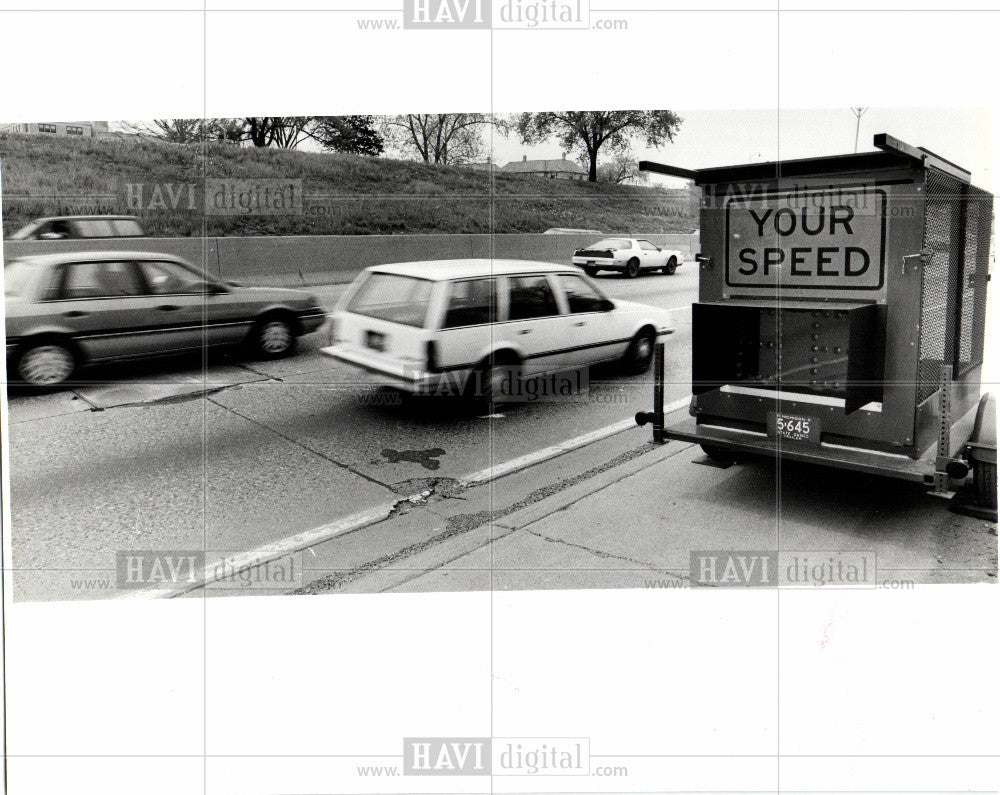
[629, 255]
[481, 327]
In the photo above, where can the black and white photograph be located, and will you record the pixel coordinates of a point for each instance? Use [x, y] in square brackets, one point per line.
[446, 443]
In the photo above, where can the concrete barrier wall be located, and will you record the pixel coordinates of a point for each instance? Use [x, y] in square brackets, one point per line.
[333, 259]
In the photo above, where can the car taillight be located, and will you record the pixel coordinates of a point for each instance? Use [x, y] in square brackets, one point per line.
[432, 357]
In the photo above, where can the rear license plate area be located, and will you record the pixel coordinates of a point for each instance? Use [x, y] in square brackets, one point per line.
[794, 427]
[375, 340]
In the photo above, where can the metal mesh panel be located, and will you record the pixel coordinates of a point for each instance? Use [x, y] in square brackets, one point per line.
[942, 207]
[978, 227]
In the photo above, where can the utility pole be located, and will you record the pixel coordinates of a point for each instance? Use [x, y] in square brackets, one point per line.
[858, 112]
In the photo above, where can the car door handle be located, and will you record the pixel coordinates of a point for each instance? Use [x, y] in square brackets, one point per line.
[524, 331]
[168, 307]
[75, 313]
[580, 323]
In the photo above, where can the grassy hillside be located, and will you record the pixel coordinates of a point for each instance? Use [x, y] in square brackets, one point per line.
[344, 194]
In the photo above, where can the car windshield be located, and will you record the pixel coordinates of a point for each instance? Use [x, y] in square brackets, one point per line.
[389, 296]
[16, 277]
[612, 243]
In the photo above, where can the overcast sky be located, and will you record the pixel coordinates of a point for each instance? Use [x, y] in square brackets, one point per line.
[728, 137]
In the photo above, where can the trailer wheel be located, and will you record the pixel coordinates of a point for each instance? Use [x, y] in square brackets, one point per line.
[984, 481]
[719, 454]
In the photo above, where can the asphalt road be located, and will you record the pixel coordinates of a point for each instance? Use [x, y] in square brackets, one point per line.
[228, 454]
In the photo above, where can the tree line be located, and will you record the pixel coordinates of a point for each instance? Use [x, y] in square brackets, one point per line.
[600, 140]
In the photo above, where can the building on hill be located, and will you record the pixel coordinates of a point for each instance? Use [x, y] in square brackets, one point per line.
[488, 166]
[552, 169]
[83, 129]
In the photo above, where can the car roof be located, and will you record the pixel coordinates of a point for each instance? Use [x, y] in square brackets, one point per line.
[90, 256]
[442, 269]
[86, 218]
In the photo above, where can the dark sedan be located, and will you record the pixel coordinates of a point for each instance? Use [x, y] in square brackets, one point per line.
[68, 310]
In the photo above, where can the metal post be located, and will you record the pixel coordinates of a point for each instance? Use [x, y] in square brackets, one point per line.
[656, 415]
[658, 379]
[942, 482]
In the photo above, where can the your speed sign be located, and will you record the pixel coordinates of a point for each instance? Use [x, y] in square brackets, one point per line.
[815, 239]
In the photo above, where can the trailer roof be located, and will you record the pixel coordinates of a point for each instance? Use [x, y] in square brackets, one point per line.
[894, 153]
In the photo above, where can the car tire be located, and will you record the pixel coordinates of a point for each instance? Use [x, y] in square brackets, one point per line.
[632, 268]
[485, 384]
[984, 482]
[273, 337]
[671, 267]
[45, 364]
[591, 272]
[718, 454]
[639, 354]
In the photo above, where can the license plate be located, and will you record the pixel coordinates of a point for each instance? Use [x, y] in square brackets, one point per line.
[375, 340]
[591, 262]
[794, 426]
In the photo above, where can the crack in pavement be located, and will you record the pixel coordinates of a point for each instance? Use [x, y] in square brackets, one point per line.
[297, 443]
[609, 555]
[459, 524]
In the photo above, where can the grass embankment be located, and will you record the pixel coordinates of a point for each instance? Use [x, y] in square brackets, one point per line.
[344, 194]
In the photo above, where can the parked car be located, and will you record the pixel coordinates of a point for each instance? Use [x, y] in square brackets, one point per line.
[469, 324]
[76, 227]
[628, 255]
[68, 310]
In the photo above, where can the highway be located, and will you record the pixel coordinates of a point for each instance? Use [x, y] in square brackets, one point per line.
[230, 454]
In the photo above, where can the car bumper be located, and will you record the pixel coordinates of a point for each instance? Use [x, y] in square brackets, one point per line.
[410, 379]
[311, 320]
[600, 264]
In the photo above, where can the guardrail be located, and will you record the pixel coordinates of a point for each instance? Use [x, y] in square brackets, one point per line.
[298, 261]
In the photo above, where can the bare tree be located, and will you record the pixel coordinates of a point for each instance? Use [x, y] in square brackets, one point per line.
[622, 167]
[176, 131]
[587, 131]
[439, 137]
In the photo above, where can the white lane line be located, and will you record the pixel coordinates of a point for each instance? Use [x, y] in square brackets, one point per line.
[368, 516]
[538, 456]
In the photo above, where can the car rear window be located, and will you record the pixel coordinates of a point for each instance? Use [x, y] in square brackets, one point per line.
[95, 227]
[389, 296]
[16, 278]
[612, 243]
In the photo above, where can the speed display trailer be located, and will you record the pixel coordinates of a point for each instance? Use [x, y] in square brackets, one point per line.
[841, 316]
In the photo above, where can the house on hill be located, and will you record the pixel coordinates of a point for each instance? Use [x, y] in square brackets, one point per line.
[83, 129]
[488, 166]
[552, 169]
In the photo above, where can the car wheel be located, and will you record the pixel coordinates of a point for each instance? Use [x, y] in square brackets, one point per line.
[273, 337]
[46, 364]
[984, 482]
[491, 382]
[718, 454]
[591, 272]
[632, 268]
[639, 354]
[671, 267]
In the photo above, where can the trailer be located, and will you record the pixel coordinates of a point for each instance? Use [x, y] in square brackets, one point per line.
[841, 317]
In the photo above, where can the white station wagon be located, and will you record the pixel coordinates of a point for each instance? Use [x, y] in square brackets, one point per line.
[419, 325]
